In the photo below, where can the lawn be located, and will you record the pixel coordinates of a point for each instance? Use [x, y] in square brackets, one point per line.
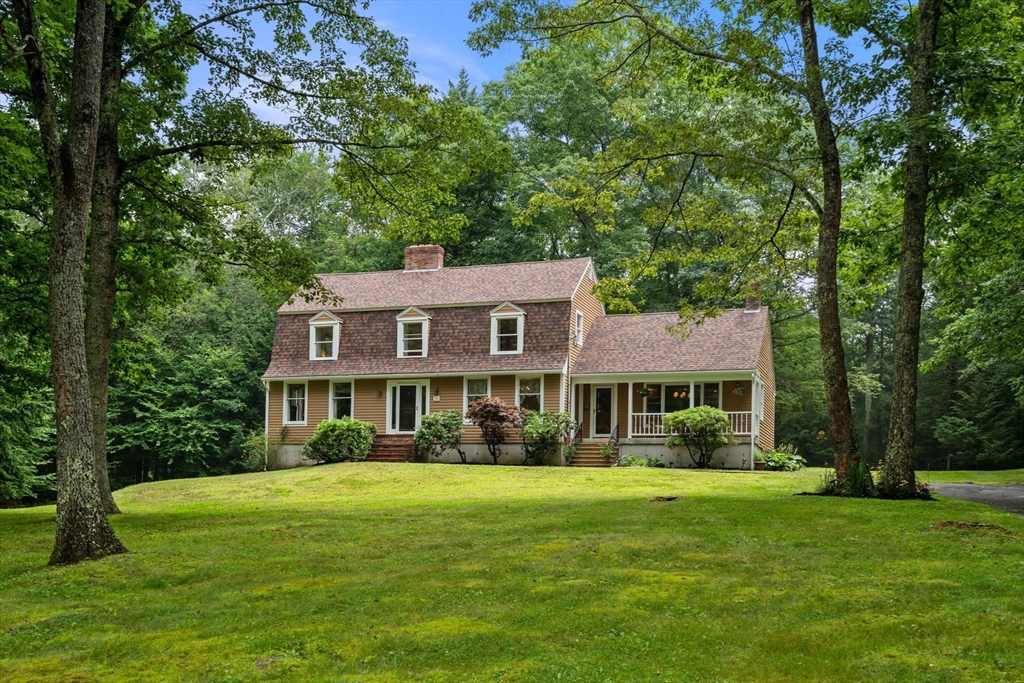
[375, 572]
[975, 477]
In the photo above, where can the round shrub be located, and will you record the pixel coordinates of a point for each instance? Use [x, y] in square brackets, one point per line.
[341, 440]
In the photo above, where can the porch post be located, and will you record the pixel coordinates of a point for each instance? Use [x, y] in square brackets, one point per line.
[693, 396]
[629, 410]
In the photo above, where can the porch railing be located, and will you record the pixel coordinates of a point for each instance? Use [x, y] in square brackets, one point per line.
[653, 424]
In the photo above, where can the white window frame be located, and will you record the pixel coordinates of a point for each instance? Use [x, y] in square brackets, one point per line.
[465, 390]
[422, 402]
[419, 317]
[528, 376]
[579, 328]
[703, 394]
[614, 409]
[305, 403]
[332, 413]
[324, 319]
[501, 313]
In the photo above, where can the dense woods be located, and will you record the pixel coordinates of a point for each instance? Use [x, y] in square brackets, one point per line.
[867, 186]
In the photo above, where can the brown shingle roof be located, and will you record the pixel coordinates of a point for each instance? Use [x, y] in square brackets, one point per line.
[533, 281]
[642, 343]
[460, 341]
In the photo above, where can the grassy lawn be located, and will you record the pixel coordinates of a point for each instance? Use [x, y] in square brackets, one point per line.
[455, 573]
[974, 476]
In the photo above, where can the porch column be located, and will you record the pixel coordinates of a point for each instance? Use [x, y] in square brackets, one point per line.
[629, 410]
[693, 396]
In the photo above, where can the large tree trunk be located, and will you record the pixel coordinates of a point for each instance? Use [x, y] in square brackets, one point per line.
[845, 452]
[83, 530]
[101, 282]
[898, 473]
[869, 348]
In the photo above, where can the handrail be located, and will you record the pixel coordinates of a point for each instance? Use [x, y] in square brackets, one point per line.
[577, 437]
[614, 437]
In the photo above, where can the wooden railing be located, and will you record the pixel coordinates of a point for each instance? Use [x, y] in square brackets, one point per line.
[653, 424]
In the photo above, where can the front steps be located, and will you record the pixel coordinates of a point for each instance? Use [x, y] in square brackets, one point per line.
[588, 454]
[392, 448]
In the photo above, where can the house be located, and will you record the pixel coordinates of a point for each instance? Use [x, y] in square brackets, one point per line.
[428, 338]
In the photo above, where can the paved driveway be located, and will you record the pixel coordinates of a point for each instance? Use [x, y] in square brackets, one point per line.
[1003, 497]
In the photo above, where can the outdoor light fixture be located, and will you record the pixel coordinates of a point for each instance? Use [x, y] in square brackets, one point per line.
[379, 394]
[821, 435]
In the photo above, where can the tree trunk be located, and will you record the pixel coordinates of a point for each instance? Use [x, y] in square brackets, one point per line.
[101, 281]
[845, 452]
[898, 474]
[869, 347]
[83, 530]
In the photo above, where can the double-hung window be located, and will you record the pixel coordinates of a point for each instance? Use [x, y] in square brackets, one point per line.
[413, 333]
[341, 400]
[323, 337]
[579, 328]
[476, 387]
[295, 404]
[507, 329]
[529, 392]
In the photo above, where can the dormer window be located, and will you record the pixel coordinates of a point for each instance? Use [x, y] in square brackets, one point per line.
[507, 329]
[579, 328]
[413, 333]
[323, 337]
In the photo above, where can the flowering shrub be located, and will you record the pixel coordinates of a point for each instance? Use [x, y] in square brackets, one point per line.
[543, 433]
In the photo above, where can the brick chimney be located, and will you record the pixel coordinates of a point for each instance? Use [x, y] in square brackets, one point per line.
[753, 304]
[424, 257]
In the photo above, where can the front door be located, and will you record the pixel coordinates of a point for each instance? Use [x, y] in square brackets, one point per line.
[406, 404]
[602, 411]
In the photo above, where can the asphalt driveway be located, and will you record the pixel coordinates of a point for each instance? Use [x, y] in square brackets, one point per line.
[1009, 498]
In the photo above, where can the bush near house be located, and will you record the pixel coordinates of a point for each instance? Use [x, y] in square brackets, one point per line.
[440, 432]
[701, 430]
[341, 440]
[543, 433]
[783, 459]
[494, 417]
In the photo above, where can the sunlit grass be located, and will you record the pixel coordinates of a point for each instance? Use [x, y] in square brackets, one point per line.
[974, 476]
[472, 573]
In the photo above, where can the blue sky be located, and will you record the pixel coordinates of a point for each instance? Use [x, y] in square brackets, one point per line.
[436, 31]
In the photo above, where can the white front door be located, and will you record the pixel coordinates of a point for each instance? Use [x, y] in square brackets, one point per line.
[407, 403]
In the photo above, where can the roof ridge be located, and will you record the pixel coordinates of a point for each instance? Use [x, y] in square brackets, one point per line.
[479, 265]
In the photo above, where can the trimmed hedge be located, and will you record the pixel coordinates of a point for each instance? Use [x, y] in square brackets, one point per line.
[344, 440]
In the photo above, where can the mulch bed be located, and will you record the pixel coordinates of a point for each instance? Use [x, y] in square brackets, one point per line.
[968, 526]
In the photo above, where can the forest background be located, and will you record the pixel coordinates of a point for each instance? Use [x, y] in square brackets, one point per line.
[693, 234]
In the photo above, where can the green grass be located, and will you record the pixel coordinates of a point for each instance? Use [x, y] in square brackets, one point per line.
[457, 573]
[974, 476]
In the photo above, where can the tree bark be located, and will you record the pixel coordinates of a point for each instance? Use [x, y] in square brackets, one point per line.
[898, 473]
[83, 531]
[845, 451]
[869, 348]
[101, 280]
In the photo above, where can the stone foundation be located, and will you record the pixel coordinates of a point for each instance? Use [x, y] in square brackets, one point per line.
[736, 457]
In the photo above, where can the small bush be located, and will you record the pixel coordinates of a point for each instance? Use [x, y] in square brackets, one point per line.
[783, 459]
[634, 461]
[440, 432]
[258, 453]
[701, 430]
[494, 417]
[543, 433]
[341, 440]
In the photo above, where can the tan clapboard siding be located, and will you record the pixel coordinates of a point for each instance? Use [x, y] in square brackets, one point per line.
[622, 409]
[276, 416]
[583, 300]
[317, 410]
[731, 403]
[552, 392]
[766, 368]
[452, 397]
[367, 405]
[585, 412]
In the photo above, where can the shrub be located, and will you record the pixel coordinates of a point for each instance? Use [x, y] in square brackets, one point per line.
[440, 432]
[634, 461]
[543, 433]
[494, 417]
[257, 453]
[340, 441]
[783, 459]
[701, 430]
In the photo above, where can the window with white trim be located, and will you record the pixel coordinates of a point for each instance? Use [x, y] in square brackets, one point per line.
[579, 328]
[474, 388]
[529, 392]
[341, 400]
[295, 404]
[323, 341]
[507, 329]
[412, 338]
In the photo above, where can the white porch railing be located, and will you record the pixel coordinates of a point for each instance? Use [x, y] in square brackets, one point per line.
[653, 424]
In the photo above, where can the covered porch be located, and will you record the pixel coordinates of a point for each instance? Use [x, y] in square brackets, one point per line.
[631, 409]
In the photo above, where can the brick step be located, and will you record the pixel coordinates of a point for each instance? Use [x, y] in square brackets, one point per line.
[392, 449]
